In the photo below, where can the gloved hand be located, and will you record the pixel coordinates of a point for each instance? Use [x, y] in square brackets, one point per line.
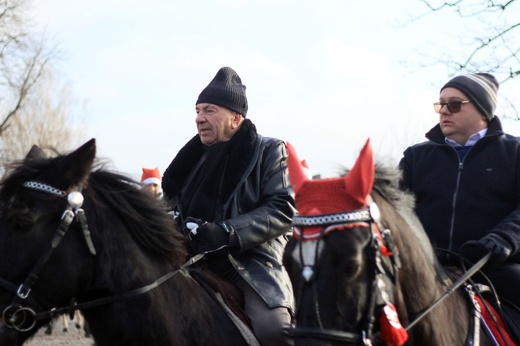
[210, 236]
[499, 247]
[190, 226]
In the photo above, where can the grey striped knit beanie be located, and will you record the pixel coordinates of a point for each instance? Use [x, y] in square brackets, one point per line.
[226, 90]
[480, 88]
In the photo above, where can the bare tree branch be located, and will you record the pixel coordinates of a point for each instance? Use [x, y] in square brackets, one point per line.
[22, 59]
[494, 45]
[466, 9]
[33, 110]
[51, 118]
[25, 82]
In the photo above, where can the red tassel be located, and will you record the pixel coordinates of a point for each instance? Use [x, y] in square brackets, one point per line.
[392, 332]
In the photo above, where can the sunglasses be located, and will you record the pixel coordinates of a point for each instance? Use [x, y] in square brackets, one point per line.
[453, 106]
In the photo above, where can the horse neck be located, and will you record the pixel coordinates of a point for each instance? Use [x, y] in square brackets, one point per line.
[422, 282]
[122, 265]
[179, 312]
[145, 319]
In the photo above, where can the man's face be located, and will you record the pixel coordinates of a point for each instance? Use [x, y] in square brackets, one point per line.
[215, 124]
[153, 189]
[461, 125]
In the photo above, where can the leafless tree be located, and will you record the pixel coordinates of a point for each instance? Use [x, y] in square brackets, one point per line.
[494, 43]
[22, 59]
[34, 107]
[51, 119]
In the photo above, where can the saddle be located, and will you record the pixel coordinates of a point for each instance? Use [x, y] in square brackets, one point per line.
[501, 323]
[231, 295]
[504, 327]
[230, 298]
[512, 317]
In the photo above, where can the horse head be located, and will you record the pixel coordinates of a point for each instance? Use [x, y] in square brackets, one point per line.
[342, 262]
[34, 216]
[67, 230]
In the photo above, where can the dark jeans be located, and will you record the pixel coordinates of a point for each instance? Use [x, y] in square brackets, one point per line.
[268, 324]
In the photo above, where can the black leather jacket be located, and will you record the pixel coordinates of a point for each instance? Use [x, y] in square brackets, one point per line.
[259, 208]
[460, 200]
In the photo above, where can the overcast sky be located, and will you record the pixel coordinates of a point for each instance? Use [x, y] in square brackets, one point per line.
[324, 75]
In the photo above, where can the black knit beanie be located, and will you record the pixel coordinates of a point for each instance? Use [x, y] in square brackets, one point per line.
[226, 90]
[480, 88]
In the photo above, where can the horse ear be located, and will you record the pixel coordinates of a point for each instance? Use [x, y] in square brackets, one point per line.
[360, 180]
[297, 173]
[35, 153]
[79, 163]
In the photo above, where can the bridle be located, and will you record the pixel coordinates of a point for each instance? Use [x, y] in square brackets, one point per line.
[381, 245]
[21, 313]
[16, 315]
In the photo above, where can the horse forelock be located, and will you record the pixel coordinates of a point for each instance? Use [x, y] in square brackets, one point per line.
[307, 253]
[19, 172]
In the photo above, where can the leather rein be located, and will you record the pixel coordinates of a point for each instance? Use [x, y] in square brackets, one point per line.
[19, 314]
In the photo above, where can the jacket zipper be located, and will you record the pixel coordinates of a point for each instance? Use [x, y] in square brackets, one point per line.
[456, 192]
[454, 200]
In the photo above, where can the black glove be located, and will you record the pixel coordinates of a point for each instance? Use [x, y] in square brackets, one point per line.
[190, 224]
[210, 237]
[499, 247]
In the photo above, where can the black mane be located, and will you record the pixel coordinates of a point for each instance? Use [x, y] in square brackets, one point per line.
[146, 217]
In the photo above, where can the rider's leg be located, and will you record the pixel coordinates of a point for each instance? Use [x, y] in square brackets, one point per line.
[268, 324]
[506, 280]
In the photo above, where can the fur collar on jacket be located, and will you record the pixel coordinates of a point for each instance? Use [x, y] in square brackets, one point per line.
[242, 149]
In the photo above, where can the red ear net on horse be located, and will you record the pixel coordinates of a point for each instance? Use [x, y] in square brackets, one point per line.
[297, 173]
[360, 180]
[332, 194]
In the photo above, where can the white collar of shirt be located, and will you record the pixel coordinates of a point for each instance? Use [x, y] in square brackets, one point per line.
[471, 140]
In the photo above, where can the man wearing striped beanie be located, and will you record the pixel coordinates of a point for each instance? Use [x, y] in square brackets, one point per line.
[466, 181]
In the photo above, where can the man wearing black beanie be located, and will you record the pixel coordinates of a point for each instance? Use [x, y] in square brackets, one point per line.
[230, 186]
[466, 181]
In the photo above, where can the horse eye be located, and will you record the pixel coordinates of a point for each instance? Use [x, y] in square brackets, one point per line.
[18, 216]
[18, 223]
[351, 268]
[22, 225]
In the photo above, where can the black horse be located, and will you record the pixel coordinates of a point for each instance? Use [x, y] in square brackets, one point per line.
[74, 233]
[363, 269]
